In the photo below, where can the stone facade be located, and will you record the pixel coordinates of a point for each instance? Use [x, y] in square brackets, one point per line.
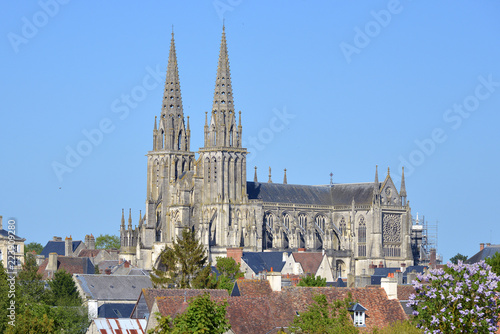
[357, 225]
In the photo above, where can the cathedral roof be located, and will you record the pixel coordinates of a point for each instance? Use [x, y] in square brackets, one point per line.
[337, 194]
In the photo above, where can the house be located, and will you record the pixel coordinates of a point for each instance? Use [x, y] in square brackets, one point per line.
[99, 255]
[308, 263]
[485, 251]
[251, 288]
[254, 264]
[266, 313]
[72, 265]
[68, 247]
[144, 305]
[11, 245]
[97, 290]
[117, 326]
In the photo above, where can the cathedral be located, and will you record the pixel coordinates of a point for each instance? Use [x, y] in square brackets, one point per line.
[358, 225]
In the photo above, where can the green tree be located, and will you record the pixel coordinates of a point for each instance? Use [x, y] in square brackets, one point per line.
[4, 298]
[312, 281]
[106, 241]
[201, 316]
[30, 283]
[63, 290]
[28, 322]
[399, 327]
[325, 318]
[182, 263]
[33, 247]
[494, 262]
[458, 257]
[229, 272]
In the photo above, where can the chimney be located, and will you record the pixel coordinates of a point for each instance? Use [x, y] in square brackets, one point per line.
[274, 279]
[488, 244]
[390, 285]
[107, 271]
[381, 264]
[68, 246]
[54, 238]
[301, 250]
[93, 308]
[235, 253]
[126, 264]
[481, 246]
[52, 264]
[432, 262]
[91, 242]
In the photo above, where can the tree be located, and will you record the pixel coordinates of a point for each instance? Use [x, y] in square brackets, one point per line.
[106, 241]
[33, 247]
[458, 257]
[229, 272]
[31, 285]
[182, 263]
[494, 262]
[63, 290]
[457, 299]
[312, 281]
[201, 316]
[325, 318]
[28, 322]
[398, 327]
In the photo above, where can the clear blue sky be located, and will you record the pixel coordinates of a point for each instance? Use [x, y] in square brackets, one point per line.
[371, 83]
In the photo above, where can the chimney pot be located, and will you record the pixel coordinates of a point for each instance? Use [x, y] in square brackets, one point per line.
[107, 271]
[481, 246]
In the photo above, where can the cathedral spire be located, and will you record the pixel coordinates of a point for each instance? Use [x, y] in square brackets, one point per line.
[129, 219]
[402, 191]
[223, 128]
[172, 131]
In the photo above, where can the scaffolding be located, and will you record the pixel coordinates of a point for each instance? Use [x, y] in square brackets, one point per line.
[424, 237]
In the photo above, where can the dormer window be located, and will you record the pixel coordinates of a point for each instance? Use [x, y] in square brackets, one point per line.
[359, 315]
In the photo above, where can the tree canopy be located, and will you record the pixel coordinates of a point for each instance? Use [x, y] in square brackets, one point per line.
[33, 247]
[326, 318]
[201, 316]
[458, 257]
[106, 241]
[181, 264]
[494, 262]
[312, 281]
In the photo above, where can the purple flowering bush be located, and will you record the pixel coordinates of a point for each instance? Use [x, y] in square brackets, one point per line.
[459, 299]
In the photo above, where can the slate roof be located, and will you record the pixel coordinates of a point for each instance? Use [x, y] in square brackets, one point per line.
[404, 293]
[115, 310]
[339, 283]
[264, 261]
[113, 287]
[58, 247]
[337, 194]
[251, 287]
[488, 251]
[73, 265]
[5, 234]
[309, 261]
[263, 314]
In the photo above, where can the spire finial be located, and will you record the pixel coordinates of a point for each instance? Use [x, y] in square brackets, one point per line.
[376, 184]
[331, 178]
[270, 181]
[172, 30]
[388, 171]
[129, 218]
[255, 175]
[402, 191]
[123, 218]
[284, 178]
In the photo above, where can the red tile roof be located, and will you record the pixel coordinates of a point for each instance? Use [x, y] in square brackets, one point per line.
[73, 265]
[264, 313]
[404, 292]
[309, 261]
[89, 252]
[254, 287]
[151, 294]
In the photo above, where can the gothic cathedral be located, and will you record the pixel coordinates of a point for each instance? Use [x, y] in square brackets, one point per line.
[357, 225]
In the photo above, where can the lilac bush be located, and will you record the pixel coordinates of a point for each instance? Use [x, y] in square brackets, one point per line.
[461, 298]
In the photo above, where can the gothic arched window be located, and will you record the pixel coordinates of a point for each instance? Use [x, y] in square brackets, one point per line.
[362, 230]
[302, 220]
[320, 221]
[342, 226]
[286, 220]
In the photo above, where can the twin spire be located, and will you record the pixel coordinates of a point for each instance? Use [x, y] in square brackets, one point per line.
[170, 132]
